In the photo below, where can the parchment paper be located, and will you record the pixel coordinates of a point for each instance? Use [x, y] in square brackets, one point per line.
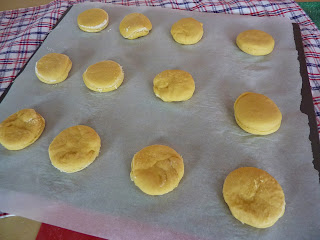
[101, 200]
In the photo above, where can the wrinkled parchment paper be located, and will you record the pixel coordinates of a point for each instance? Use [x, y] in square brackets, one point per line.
[101, 200]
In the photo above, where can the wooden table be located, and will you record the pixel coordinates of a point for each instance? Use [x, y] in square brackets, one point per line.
[15, 4]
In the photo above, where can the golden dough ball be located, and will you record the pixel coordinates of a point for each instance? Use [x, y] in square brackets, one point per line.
[157, 169]
[257, 114]
[173, 85]
[74, 148]
[103, 76]
[53, 68]
[135, 25]
[21, 129]
[93, 20]
[255, 42]
[254, 197]
[187, 31]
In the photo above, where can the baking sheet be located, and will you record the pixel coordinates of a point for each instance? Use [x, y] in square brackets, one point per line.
[101, 200]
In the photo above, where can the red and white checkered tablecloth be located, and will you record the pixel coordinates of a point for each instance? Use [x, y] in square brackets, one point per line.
[23, 30]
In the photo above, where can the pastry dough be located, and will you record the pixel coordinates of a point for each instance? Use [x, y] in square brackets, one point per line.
[254, 197]
[74, 148]
[157, 169]
[257, 114]
[174, 85]
[135, 25]
[93, 20]
[103, 76]
[53, 68]
[21, 129]
[255, 42]
[187, 31]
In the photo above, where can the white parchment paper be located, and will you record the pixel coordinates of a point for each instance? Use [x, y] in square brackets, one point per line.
[101, 200]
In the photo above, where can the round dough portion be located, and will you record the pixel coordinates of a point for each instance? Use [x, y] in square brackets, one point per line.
[93, 20]
[74, 148]
[157, 169]
[21, 129]
[135, 25]
[254, 197]
[187, 31]
[255, 42]
[174, 85]
[53, 68]
[103, 76]
[257, 114]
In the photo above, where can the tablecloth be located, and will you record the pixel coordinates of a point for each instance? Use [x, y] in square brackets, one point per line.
[23, 30]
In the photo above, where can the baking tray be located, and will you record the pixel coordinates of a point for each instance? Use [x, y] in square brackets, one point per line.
[57, 198]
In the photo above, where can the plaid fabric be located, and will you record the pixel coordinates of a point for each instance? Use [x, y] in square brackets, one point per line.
[22, 31]
[5, 215]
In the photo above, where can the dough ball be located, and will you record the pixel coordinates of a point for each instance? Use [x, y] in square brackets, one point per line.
[103, 76]
[157, 169]
[254, 197]
[135, 25]
[93, 20]
[74, 148]
[187, 31]
[255, 42]
[21, 129]
[174, 85]
[257, 114]
[53, 68]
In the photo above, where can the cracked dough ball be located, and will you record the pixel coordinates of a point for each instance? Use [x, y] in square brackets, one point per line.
[53, 68]
[103, 76]
[255, 42]
[74, 148]
[93, 20]
[135, 25]
[257, 114]
[174, 85]
[157, 169]
[187, 31]
[254, 197]
[21, 129]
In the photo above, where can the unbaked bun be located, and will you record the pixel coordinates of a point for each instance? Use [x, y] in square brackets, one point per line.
[173, 85]
[157, 169]
[103, 76]
[53, 68]
[21, 129]
[135, 25]
[255, 42]
[187, 31]
[93, 20]
[74, 148]
[257, 114]
[254, 197]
